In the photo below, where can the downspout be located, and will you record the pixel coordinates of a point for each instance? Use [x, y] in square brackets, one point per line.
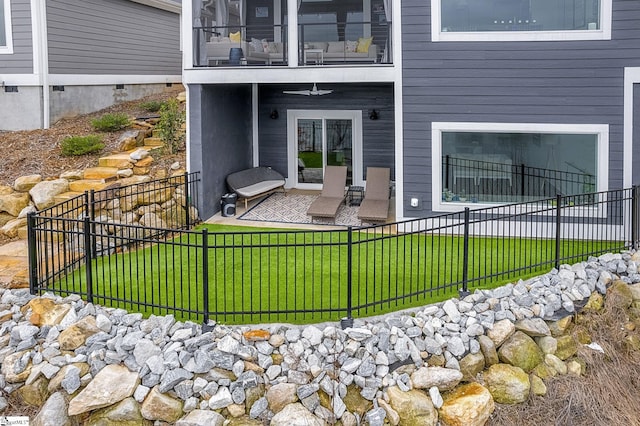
[41, 57]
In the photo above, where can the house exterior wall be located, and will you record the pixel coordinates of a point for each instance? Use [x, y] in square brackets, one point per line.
[220, 133]
[21, 60]
[565, 82]
[378, 135]
[115, 37]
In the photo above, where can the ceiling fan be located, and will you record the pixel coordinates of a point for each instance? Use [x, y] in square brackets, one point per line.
[312, 92]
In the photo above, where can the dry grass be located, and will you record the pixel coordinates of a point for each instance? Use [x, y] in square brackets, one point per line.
[606, 395]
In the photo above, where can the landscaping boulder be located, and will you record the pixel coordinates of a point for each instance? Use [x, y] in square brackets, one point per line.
[14, 203]
[111, 385]
[53, 412]
[124, 413]
[295, 415]
[159, 406]
[467, 405]
[521, 351]
[414, 407]
[501, 331]
[507, 384]
[43, 193]
[25, 183]
[442, 378]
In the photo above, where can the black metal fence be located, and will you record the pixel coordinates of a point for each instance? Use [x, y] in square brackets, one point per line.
[307, 276]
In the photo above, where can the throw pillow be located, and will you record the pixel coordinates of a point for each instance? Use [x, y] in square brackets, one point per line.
[257, 46]
[363, 44]
[265, 45]
[235, 37]
[351, 46]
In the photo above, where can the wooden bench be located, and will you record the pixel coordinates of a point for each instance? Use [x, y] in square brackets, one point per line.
[254, 183]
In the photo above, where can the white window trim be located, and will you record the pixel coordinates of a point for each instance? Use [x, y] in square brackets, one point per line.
[8, 49]
[604, 33]
[437, 128]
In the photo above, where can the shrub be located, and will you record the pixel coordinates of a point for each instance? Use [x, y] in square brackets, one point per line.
[111, 122]
[79, 145]
[170, 125]
[151, 106]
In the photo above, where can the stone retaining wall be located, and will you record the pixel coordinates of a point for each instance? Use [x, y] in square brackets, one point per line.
[449, 362]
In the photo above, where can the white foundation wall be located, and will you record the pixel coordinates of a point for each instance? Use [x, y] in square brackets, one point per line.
[21, 110]
[76, 100]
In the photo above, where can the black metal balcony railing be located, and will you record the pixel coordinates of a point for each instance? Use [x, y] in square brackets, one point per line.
[266, 45]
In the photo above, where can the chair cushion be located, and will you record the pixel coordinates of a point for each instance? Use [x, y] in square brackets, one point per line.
[325, 207]
[258, 188]
[374, 210]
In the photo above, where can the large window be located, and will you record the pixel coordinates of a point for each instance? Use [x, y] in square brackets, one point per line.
[487, 164]
[470, 20]
[6, 45]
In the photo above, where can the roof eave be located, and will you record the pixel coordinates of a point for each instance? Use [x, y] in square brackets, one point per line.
[170, 6]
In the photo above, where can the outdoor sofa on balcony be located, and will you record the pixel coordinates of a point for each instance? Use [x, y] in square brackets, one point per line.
[332, 51]
[218, 49]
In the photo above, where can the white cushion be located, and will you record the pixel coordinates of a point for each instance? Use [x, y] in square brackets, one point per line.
[259, 188]
[335, 47]
[319, 45]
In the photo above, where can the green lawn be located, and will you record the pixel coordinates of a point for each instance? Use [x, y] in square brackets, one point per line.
[304, 279]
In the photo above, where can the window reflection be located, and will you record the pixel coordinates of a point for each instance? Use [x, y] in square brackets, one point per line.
[514, 167]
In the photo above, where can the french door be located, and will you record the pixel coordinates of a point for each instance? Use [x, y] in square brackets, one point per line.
[319, 138]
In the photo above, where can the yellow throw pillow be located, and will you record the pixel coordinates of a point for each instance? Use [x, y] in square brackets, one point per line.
[235, 37]
[363, 44]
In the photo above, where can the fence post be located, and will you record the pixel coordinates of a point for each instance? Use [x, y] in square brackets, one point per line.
[522, 166]
[92, 213]
[558, 225]
[88, 256]
[465, 256]
[634, 216]
[31, 247]
[205, 274]
[187, 203]
[348, 320]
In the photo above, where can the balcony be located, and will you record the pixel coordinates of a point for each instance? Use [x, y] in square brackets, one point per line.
[231, 33]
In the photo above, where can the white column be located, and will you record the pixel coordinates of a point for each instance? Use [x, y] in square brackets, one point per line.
[292, 32]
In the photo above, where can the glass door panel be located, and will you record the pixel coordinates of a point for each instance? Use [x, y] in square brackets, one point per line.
[310, 150]
[323, 142]
[340, 144]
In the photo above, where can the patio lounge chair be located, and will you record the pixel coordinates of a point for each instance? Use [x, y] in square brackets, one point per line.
[375, 206]
[332, 195]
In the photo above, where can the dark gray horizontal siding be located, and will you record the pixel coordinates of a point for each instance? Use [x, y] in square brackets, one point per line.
[378, 135]
[573, 82]
[112, 37]
[21, 61]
